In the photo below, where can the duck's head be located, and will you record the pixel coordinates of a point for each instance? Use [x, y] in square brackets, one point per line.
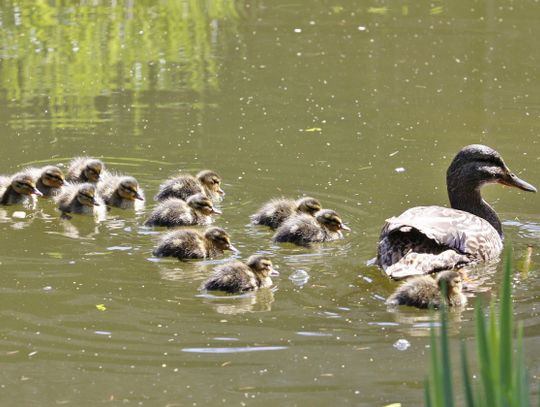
[476, 165]
[203, 204]
[52, 177]
[92, 170]
[220, 239]
[331, 220]
[211, 181]
[128, 188]
[24, 185]
[86, 195]
[261, 266]
[452, 280]
[308, 205]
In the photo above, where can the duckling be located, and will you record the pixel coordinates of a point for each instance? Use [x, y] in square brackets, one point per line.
[427, 239]
[120, 191]
[304, 229]
[183, 186]
[84, 169]
[276, 211]
[237, 277]
[425, 291]
[192, 244]
[78, 198]
[48, 179]
[176, 212]
[18, 189]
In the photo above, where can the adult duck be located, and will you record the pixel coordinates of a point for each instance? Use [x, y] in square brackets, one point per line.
[428, 239]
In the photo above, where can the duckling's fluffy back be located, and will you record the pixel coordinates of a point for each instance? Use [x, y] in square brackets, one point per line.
[175, 212]
[67, 202]
[108, 186]
[274, 212]
[182, 244]
[303, 229]
[180, 187]
[233, 277]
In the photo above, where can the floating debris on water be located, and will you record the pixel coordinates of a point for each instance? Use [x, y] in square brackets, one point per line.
[402, 344]
[299, 277]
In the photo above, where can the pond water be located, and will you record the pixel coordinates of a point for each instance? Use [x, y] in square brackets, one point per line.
[361, 104]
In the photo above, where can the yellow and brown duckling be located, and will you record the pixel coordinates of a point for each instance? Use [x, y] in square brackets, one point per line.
[120, 191]
[427, 239]
[276, 211]
[80, 199]
[426, 291]
[304, 229]
[48, 179]
[18, 189]
[193, 244]
[197, 210]
[84, 169]
[237, 277]
[183, 186]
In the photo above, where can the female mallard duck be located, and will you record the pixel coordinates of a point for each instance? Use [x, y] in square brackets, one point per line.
[237, 277]
[78, 198]
[426, 291]
[48, 179]
[18, 189]
[427, 239]
[176, 212]
[183, 186]
[192, 244]
[305, 229]
[120, 191]
[84, 169]
[276, 211]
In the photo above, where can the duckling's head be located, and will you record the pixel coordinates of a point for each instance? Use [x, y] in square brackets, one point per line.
[203, 204]
[261, 266]
[86, 195]
[211, 181]
[128, 188]
[52, 177]
[476, 165]
[92, 170]
[24, 185]
[220, 239]
[452, 280]
[331, 220]
[308, 205]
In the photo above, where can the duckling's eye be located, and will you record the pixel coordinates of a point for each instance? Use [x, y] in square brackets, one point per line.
[89, 197]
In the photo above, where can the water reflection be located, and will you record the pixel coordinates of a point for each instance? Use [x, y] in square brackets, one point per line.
[257, 301]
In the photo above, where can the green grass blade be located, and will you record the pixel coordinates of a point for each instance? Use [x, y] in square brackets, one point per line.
[467, 385]
[484, 357]
[505, 325]
[445, 355]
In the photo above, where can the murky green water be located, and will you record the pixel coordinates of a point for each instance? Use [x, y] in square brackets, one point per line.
[361, 104]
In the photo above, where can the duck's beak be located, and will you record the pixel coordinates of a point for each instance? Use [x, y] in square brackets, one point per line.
[233, 249]
[344, 227]
[139, 197]
[214, 210]
[36, 192]
[273, 272]
[512, 180]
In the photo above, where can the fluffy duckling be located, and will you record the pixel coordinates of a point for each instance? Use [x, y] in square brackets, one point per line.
[305, 229]
[48, 180]
[176, 212]
[18, 189]
[192, 244]
[183, 186]
[276, 211]
[238, 277]
[84, 169]
[425, 291]
[120, 191]
[78, 198]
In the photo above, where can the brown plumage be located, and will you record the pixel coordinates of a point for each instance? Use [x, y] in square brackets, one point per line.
[18, 189]
[80, 199]
[193, 244]
[84, 169]
[427, 239]
[274, 212]
[237, 277]
[426, 291]
[183, 186]
[176, 212]
[304, 229]
[120, 191]
[48, 180]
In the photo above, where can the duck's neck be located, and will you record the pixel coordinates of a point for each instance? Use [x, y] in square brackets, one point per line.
[466, 197]
[10, 196]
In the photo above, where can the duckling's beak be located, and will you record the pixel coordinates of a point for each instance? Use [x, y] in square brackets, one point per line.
[273, 272]
[36, 191]
[61, 181]
[214, 210]
[220, 191]
[94, 202]
[233, 249]
[344, 227]
[512, 180]
[139, 197]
